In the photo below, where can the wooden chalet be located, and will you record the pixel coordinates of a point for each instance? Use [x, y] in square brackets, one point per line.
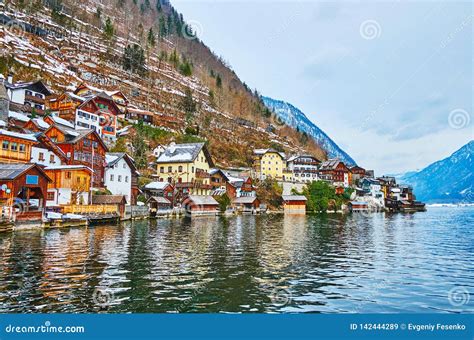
[23, 188]
[119, 98]
[118, 200]
[335, 171]
[246, 203]
[81, 147]
[294, 204]
[16, 147]
[136, 114]
[64, 105]
[200, 205]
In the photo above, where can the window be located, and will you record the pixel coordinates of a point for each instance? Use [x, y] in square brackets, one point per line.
[28, 93]
[180, 168]
[170, 169]
[126, 179]
[51, 159]
[31, 179]
[124, 165]
[41, 156]
[38, 106]
[119, 178]
[22, 147]
[14, 146]
[5, 145]
[38, 95]
[162, 169]
[192, 169]
[68, 175]
[78, 179]
[50, 196]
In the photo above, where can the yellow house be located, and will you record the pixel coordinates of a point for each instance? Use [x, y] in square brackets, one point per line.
[269, 163]
[186, 167]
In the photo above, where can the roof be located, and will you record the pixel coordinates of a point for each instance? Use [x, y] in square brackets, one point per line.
[159, 199]
[264, 151]
[38, 86]
[24, 136]
[294, 198]
[18, 116]
[10, 171]
[202, 200]
[330, 164]
[244, 200]
[114, 157]
[68, 167]
[62, 121]
[292, 158]
[183, 153]
[156, 185]
[108, 199]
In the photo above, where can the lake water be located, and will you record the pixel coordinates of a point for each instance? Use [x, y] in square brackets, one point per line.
[421, 262]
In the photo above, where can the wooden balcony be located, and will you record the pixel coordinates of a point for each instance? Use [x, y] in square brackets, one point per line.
[34, 99]
[202, 174]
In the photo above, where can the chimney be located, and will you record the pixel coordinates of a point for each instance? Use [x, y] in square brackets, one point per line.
[10, 78]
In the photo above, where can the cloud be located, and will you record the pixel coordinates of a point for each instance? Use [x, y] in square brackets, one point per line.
[322, 64]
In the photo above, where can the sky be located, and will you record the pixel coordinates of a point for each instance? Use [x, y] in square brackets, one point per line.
[390, 82]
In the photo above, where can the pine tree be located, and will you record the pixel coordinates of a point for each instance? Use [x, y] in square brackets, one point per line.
[218, 81]
[163, 28]
[188, 105]
[109, 29]
[158, 6]
[151, 37]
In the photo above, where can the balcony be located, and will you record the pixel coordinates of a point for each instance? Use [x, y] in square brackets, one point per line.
[34, 99]
[202, 174]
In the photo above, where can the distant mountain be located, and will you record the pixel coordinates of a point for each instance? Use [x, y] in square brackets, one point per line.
[450, 180]
[293, 117]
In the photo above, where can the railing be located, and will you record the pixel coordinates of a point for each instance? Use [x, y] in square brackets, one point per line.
[34, 99]
[202, 174]
[90, 209]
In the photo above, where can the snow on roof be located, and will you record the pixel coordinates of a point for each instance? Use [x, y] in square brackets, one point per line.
[61, 121]
[25, 136]
[293, 198]
[203, 200]
[2, 123]
[156, 185]
[41, 123]
[180, 153]
[18, 116]
[67, 167]
[109, 158]
[244, 200]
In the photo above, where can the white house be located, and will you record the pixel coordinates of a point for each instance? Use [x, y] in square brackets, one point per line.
[63, 192]
[46, 152]
[304, 168]
[373, 188]
[32, 93]
[121, 176]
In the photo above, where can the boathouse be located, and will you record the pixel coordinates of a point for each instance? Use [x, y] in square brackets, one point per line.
[23, 188]
[246, 203]
[200, 205]
[117, 200]
[294, 204]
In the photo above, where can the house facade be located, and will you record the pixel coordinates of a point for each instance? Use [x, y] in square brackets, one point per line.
[268, 163]
[16, 147]
[335, 171]
[186, 166]
[304, 168]
[121, 176]
[30, 95]
[70, 184]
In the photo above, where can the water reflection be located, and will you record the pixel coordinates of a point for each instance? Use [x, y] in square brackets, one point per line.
[272, 263]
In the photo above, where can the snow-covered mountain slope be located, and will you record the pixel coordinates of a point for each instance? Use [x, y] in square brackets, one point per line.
[293, 117]
[450, 180]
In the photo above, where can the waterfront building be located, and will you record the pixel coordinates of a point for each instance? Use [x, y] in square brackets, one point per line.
[200, 205]
[118, 201]
[23, 188]
[246, 203]
[121, 176]
[186, 167]
[357, 173]
[294, 204]
[70, 184]
[335, 171]
[304, 168]
[269, 163]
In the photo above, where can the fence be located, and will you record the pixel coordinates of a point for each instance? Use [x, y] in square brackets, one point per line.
[93, 209]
